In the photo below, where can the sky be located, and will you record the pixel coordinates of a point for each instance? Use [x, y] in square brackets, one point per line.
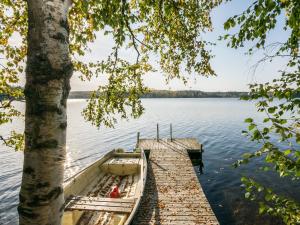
[234, 69]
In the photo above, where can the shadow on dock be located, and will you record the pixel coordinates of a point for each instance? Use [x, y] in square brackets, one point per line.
[148, 210]
[169, 145]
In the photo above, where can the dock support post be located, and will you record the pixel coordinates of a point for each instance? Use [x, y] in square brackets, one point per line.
[201, 161]
[138, 138]
[171, 132]
[157, 132]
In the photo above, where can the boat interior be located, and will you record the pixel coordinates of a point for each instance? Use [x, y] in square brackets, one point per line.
[87, 195]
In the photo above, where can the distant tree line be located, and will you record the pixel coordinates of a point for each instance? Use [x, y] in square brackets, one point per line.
[162, 94]
[172, 94]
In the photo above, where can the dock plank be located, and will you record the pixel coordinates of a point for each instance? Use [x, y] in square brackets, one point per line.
[173, 194]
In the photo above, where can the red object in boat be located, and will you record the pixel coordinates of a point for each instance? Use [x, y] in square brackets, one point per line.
[115, 193]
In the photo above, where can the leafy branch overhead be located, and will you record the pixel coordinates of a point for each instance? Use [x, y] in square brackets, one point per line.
[279, 133]
[167, 31]
[272, 203]
[261, 17]
[13, 22]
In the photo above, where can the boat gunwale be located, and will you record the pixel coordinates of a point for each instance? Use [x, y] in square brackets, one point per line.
[144, 168]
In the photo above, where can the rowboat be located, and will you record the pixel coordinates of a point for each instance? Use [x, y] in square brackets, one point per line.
[88, 193]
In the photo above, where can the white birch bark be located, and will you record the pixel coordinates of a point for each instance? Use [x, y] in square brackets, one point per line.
[48, 73]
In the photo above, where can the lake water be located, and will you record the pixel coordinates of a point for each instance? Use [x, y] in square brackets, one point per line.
[216, 123]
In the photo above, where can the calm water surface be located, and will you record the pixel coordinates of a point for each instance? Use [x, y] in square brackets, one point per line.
[217, 123]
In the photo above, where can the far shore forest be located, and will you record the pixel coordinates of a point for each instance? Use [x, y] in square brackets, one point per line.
[171, 94]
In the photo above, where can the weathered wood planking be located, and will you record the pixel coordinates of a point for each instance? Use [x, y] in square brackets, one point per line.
[102, 199]
[100, 204]
[173, 194]
[100, 208]
[190, 144]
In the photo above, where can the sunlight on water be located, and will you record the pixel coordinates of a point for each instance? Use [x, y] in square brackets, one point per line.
[71, 167]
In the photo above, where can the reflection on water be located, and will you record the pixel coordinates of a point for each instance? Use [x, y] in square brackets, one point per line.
[217, 123]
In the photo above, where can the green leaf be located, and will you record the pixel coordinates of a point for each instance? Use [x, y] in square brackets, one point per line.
[260, 189]
[248, 120]
[251, 126]
[266, 168]
[287, 152]
[262, 208]
[268, 197]
[244, 179]
[244, 132]
[256, 135]
[271, 110]
[298, 138]
[247, 155]
[247, 194]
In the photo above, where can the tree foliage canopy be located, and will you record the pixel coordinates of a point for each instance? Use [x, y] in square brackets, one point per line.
[169, 30]
[279, 133]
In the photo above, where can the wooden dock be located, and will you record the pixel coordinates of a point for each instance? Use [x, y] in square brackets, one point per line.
[173, 194]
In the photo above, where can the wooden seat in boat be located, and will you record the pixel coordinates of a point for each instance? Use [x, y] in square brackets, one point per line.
[85, 203]
[121, 166]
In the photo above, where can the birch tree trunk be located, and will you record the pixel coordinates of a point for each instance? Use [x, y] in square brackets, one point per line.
[48, 73]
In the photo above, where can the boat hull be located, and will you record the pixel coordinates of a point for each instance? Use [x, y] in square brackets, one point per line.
[126, 170]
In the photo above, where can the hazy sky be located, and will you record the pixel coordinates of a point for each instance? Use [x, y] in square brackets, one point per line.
[234, 69]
